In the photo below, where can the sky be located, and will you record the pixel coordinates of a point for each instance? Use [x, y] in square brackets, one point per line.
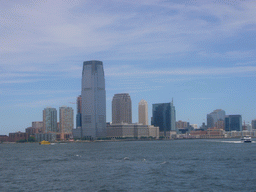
[200, 53]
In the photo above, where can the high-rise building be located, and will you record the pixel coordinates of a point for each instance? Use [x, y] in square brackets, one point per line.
[79, 112]
[233, 123]
[93, 100]
[164, 117]
[254, 124]
[49, 120]
[66, 119]
[214, 117]
[121, 108]
[143, 112]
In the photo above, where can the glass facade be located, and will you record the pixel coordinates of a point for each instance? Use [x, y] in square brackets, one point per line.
[214, 117]
[164, 117]
[233, 123]
[93, 100]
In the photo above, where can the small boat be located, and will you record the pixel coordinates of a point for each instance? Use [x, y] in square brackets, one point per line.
[246, 139]
[44, 142]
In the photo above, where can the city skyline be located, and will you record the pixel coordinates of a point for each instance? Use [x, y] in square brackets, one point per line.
[200, 53]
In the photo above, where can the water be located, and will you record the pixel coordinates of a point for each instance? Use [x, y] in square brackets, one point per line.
[180, 165]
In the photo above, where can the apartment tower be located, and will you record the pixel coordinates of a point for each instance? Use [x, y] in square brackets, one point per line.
[66, 119]
[49, 120]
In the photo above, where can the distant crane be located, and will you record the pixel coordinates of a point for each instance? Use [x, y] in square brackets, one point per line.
[72, 102]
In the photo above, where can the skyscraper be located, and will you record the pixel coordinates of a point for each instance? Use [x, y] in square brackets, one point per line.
[233, 123]
[49, 120]
[121, 108]
[79, 112]
[164, 117]
[214, 117]
[66, 119]
[93, 100]
[143, 112]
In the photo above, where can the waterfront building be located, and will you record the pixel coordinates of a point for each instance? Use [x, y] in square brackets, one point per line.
[214, 117]
[164, 117]
[38, 126]
[45, 136]
[254, 124]
[77, 133]
[13, 137]
[49, 120]
[79, 112]
[125, 130]
[66, 119]
[233, 123]
[93, 100]
[31, 131]
[4, 138]
[143, 112]
[121, 108]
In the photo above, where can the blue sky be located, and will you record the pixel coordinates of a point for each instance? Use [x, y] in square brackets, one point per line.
[200, 53]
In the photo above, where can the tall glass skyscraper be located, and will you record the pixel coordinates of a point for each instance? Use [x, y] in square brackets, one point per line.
[49, 120]
[121, 108]
[233, 123]
[164, 117]
[93, 100]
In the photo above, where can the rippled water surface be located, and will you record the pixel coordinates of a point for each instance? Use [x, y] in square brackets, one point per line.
[180, 165]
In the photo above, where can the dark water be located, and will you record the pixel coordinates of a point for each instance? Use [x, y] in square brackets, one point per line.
[183, 165]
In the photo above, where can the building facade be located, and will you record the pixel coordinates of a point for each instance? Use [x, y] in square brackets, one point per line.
[233, 123]
[214, 117]
[132, 130]
[14, 137]
[66, 119]
[164, 117]
[121, 108]
[143, 112]
[93, 100]
[254, 124]
[79, 112]
[49, 120]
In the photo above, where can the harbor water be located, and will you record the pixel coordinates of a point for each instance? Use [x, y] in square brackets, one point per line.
[176, 165]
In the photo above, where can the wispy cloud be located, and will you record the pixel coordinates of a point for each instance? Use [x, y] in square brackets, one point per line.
[47, 102]
[183, 71]
[47, 31]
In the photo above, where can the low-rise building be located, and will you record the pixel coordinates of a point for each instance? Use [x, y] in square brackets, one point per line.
[4, 138]
[168, 134]
[14, 137]
[125, 130]
[215, 133]
[45, 136]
